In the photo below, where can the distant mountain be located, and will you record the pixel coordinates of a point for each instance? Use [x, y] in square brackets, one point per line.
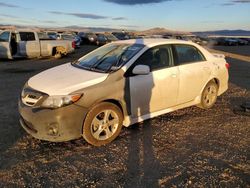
[153, 31]
[161, 31]
[224, 33]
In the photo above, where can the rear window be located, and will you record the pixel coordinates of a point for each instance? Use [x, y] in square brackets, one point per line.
[27, 36]
[188, 54]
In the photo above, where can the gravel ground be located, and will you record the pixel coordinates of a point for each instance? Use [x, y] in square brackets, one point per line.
[187, 148]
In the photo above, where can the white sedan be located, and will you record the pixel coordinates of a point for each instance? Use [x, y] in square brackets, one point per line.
[121, 83]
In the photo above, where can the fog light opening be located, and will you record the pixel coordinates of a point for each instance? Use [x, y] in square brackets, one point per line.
[53, 130]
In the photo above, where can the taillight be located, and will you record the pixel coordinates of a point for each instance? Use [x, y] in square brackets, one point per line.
[73, 44]
[227, 65]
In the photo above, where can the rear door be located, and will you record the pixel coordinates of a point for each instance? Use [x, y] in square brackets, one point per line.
[158, 90]
[5, 51]
[29, 45]
[194, 72]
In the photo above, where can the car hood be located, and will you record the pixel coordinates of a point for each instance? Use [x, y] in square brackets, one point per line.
[65, 79]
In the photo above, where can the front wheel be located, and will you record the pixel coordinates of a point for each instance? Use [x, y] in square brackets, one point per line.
[209, 95]
[102, 124]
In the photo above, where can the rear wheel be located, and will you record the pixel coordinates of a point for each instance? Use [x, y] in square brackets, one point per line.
[103, 124]
[209, 95]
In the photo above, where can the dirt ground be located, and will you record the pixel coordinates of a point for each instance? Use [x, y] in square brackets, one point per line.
[187, 148]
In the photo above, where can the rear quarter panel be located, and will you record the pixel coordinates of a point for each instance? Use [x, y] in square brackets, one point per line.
[221, 73]
[219, 70]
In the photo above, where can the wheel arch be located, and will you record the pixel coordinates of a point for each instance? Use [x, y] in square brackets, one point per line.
[53, 51]
[115, 102]
[60, 49]
[216, 80]
[112, 101]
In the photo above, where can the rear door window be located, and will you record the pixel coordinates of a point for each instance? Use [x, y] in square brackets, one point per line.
[188, 54]
[27, 36]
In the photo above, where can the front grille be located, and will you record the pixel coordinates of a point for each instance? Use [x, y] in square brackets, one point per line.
[31, 97]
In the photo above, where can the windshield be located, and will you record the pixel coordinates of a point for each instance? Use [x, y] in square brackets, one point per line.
[108, 58]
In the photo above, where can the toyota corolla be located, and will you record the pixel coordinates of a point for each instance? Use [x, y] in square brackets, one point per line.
[120, 84]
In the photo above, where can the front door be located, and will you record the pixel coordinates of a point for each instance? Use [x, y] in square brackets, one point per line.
[157, 90]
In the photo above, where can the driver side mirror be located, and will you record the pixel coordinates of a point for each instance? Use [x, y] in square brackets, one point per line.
[141, 70]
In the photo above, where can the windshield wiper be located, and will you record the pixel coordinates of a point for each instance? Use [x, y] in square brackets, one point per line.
[114, 67]
[95, 65]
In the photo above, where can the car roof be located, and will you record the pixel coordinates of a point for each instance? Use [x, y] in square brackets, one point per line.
[153, 42]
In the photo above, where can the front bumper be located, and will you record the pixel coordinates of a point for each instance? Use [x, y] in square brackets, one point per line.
[55, 125]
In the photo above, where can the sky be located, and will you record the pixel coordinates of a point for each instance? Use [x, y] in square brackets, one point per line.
[182, 15]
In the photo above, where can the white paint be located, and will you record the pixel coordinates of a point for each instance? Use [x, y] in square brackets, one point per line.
[153, 92]
[65, 79]
[130, 120]
[173, 88]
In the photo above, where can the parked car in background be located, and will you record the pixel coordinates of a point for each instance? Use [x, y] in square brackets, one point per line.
[104, 38]
[246, 39]
[223, 41]
[71, 37]
[220, 41]
[30, 44]
[52, 34]
[121, 83]
[78, 41]
[231, 42]
[121, 35]
[200, 40]
[88, 38]
[242, 42]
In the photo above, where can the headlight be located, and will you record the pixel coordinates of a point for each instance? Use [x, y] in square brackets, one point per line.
[60, 101]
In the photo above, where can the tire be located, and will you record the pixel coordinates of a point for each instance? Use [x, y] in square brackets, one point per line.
[102, 124]
[209, 95]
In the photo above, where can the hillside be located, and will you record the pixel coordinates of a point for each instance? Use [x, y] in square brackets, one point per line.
[224, 32]
[161, 31]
